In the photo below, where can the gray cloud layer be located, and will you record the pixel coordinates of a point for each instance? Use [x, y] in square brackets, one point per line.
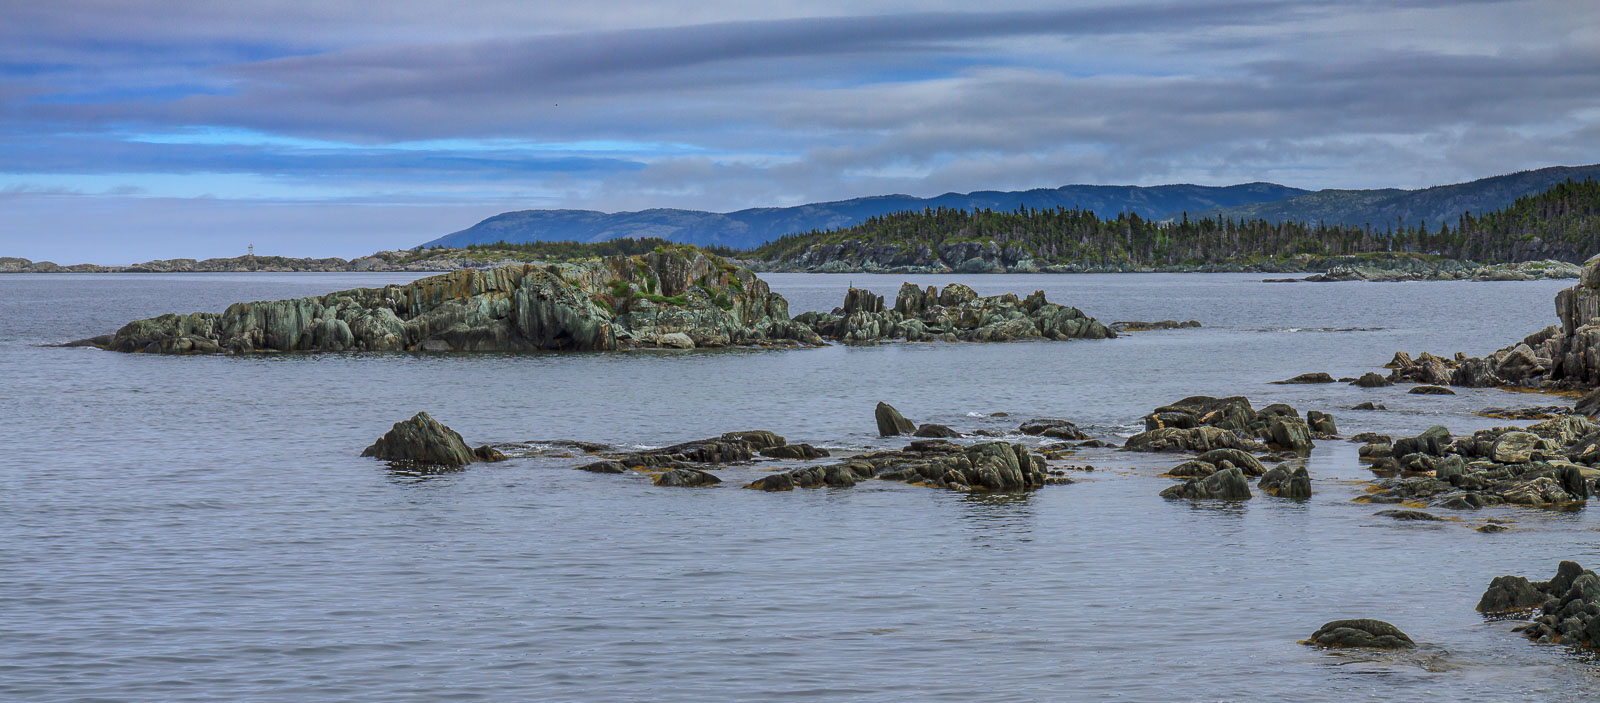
[790, 103]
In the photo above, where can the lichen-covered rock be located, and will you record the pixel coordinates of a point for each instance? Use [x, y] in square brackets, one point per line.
[1362, 633]
[1227, 484]
[1289, 434]
[935, 431]
[422, 440]
[891, 422]
[1192, 469]
[956, 313]
[1371, 380]
[1322, 424]
[1568, 605]
[687, 478]
[1287, 480]
[678, 297]
[1225, 457]
[800, 451]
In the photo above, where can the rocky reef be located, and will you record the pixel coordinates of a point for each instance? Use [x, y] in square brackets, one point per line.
[679, 297]
[427, 443]
[955, 313]
[1547, 464]
[1561, 356]
[1566, 608]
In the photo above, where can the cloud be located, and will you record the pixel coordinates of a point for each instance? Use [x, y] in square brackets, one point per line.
[724, 105]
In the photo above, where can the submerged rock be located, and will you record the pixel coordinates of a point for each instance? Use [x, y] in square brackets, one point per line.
[1409, 515]
[426, 441]
[1307, 378]
[1365, 634]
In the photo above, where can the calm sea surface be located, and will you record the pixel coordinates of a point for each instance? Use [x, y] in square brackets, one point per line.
[202, 529]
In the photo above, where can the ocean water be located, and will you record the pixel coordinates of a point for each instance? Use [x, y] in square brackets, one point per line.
[203, 529]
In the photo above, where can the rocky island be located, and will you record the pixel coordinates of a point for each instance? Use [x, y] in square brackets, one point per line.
[673, 297]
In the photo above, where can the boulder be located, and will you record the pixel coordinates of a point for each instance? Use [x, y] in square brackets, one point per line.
[1287, 480]
[1365, 634]
[1567, 606]
[757, 439]
[1371, 380]
[1192, 469]
[1321, 423]
[425, 441]
[1289, 434]
[1227, 484]
[891, 422]
[1432, 442]
[1234, 457]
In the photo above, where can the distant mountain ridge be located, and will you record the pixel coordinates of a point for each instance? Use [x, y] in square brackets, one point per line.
[1383, 207]
[751, 228]
[747, 229]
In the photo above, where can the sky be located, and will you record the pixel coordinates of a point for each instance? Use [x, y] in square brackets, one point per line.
[137, 130]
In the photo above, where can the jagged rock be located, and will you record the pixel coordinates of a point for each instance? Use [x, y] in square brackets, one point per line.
[1223, 458]
[686, 477]
[931, 430]
[1432, 442]
[1589, 405]
[1227, 484]
[1307, 378]
[1431, 390]
[1365, 634]
[1056, 429]
[659, 299]
[1287, 480]
[1371, 380]
[1289, 434]
[1568, 605]
[891, 422]
[1321, 424]
[794, 451]
[425, 441]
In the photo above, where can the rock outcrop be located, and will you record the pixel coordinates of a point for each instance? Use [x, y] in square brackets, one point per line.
[991, 466]
[1547, 464]
[891, 422]
[675, 297]
[1567, 607]
[1202, 423]
[1561, 356]
[1363, 633]
[426, 442]
[1227, 484]
[955, 313]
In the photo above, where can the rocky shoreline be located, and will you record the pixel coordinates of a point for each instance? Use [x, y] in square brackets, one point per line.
[679, 298]
[1564, 356]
